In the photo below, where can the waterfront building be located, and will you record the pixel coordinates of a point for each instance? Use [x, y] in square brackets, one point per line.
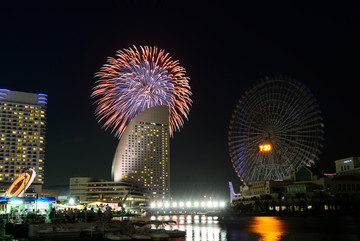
[263, 188]
[306, 181]
[50, 193]
[90, 190]
[143, 154]
[23, 205]
[79, 187]
[22, 133]
[348, 166]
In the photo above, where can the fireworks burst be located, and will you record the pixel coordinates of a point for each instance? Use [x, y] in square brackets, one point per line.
[139, 79]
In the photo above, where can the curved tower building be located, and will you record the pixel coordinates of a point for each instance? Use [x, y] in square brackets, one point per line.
[143, 153]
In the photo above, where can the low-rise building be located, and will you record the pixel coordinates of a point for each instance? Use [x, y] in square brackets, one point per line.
[309, 181]
[79, 187]
[50, 193]
[264, 188]
[88, 189]
[305, 189]
[348, 166]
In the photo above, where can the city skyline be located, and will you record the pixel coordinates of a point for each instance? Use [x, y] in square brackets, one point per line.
[225, 49]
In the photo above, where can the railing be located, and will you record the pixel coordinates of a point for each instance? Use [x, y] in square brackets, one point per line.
[188, 206]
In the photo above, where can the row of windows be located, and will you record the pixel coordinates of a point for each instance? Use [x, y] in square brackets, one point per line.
[22, 126]
[17, 112]
[12, 179]
[349, 187]
[15, 145]
[7, 119]
[12, 156]
[144, 175]
[21, 149]
[131, 166]
[11, 137]
[150, 123]
[21, 111]
[21, 116]
[21, 106]
[18, 161]
[26, 118]
[19, 170]
[151, 172]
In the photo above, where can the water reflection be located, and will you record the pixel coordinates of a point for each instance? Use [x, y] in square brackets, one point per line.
[269, 228]
[197, 227]
[234, 228]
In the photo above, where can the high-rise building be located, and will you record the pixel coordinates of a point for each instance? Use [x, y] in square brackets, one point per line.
[143, 153]
[22, 133]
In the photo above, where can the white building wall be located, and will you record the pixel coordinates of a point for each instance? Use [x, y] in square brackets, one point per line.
[348, 166]
[79, 187]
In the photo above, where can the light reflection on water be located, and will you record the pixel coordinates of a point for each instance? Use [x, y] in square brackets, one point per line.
[197, 227]
[269, 228]
[264, 228]
[207, 228]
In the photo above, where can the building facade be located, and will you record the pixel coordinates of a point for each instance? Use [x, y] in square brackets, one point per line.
[88, 190]
[348, 166]
[79, 187]
[143, 153]
[307, 181]
[22, 133]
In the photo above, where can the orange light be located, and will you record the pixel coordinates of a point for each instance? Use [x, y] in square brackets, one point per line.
[266, 147]
[21, 183]
[269, 228]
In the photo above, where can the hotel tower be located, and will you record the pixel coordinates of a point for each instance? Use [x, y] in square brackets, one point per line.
[22, 131]
[143, 153]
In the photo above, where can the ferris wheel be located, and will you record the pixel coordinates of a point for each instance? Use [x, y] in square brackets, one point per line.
[276, 126]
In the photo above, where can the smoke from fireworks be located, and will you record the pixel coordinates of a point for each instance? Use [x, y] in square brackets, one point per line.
[139, 79]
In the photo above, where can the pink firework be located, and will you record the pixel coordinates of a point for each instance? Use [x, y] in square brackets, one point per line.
[138, 79]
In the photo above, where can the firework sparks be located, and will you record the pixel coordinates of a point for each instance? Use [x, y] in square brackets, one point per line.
[139, 79]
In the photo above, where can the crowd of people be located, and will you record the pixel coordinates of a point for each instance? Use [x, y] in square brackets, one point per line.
[68, 215]
[84, 215]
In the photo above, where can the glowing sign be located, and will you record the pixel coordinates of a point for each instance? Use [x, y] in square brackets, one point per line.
[19, 186]
[347, 161]
[266, 147]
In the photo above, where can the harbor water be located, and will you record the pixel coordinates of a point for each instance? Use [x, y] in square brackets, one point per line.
[266, 228]
[259, 228]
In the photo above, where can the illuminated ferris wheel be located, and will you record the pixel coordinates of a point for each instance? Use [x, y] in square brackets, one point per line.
[276, 126]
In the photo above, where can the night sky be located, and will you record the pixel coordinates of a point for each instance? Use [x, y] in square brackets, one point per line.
[57, 48]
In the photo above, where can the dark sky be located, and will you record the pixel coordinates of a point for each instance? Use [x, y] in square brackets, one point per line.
[57, 48]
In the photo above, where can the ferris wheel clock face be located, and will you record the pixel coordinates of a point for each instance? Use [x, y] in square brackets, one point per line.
[265, 148]
[276, 126]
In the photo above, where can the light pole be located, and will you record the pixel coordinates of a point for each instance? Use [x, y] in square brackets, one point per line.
[24, 182]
